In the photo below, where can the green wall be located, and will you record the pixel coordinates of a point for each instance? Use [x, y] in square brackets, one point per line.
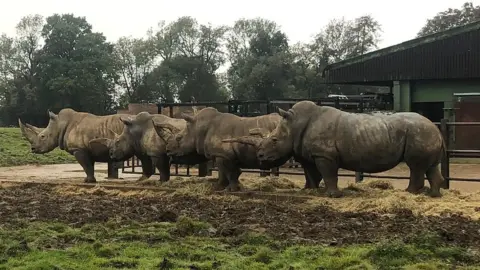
[407, 92]
[402, 96]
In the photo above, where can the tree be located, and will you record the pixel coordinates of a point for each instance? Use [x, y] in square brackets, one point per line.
[19, 86]
[134, 61]
[342, 39]
[451, 18]
[260, 60]
[191, 54]
[7, 55]
[76, 66]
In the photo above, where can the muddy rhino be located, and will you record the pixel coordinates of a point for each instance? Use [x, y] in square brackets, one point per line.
[324, 139]
[80, 134]
[140, 137]
[204, 133]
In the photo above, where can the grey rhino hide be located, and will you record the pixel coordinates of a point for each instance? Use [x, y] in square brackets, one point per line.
[141, 134]
[71, 130]
[330, 139]
[209, 127]
[166, 128]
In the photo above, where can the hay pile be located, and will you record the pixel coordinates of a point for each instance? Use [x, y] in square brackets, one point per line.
[380, 196]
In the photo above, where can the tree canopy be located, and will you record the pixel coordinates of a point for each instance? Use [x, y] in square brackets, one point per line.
[59, 61]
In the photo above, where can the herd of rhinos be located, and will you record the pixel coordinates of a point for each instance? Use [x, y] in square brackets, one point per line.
[322, 139]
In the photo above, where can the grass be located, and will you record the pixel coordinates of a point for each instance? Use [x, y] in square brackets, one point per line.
[15, 150]
[186, 244]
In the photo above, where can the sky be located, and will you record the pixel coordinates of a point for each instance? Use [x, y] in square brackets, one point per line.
[300, 19]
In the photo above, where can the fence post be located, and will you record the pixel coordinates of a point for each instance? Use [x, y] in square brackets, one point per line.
[112, 170]
[337, 103]
[445, 164]
[358, 177]
[203, 169]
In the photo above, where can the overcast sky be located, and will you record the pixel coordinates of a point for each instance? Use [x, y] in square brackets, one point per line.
[300, 19]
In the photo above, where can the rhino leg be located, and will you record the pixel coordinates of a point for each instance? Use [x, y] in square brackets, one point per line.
[435, 178]
[222, 180]
[87, 164]
[163, 166]
[417, 181]
[231, 174]
[329, 170]
[234, 184]
[147, 168]
[312, 176]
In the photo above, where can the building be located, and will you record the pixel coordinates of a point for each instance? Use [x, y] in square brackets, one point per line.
[423, 74]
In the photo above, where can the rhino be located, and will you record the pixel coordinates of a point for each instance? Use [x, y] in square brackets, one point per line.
[140, 137]
[324, 139]
[204, 133]
[80, 134]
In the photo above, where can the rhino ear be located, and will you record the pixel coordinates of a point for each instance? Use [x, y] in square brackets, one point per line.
[285, 114]
[52, 116]
[99, 146]
[250, 140]
[187, 117]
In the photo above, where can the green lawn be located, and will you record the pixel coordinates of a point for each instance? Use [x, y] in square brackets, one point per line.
[185, 245]
[15, 150]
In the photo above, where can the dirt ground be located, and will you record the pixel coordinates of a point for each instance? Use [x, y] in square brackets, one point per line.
[230, 215]
[367, 214]
[74, 173]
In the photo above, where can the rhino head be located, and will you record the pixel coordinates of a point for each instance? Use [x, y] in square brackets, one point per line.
[271, 146]
[100, 146]
[179, 142]
[125, 144]
[167, 132]
[42, 140]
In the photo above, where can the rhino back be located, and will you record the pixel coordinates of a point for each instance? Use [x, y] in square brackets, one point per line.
[365, 142]
[82, 127]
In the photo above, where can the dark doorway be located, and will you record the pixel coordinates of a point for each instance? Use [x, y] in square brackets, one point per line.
[431, 110]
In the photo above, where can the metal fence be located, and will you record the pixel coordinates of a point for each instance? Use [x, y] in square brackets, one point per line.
[250, 108]
[260, 107]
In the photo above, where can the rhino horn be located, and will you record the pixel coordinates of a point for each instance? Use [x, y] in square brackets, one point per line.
[285, 114]
[187, 117]
[115, 134]
[126, 120]
[28, 131]
[160, 126]
[34, 128]
[262, 132]
[250, 140]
